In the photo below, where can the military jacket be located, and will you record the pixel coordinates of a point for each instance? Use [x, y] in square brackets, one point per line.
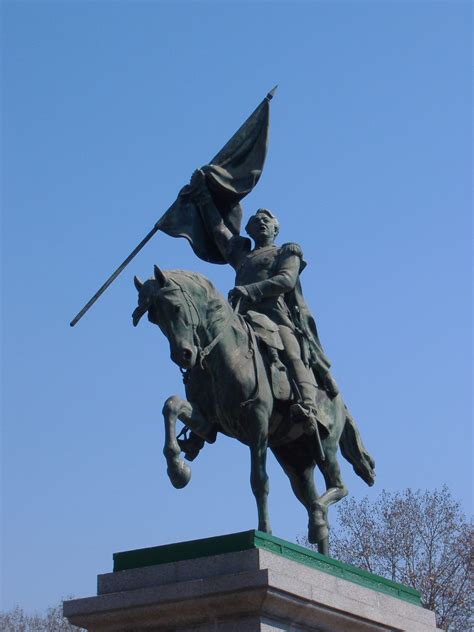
[268, 273]
[271, 277]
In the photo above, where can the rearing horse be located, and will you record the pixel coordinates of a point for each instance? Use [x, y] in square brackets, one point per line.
[228, 386]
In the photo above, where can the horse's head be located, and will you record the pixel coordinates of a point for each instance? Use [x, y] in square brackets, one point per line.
[171, 308]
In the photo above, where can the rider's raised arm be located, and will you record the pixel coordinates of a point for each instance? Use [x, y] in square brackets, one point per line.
[290, 264]
[233, 248]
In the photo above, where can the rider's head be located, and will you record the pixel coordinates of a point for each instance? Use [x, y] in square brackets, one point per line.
[263, 227]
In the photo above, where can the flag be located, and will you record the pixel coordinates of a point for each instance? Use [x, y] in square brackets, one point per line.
[230, 176]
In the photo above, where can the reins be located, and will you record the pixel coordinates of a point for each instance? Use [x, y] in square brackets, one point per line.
[204, 352]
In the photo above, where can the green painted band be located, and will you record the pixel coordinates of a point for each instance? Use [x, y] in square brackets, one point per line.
[246, 540]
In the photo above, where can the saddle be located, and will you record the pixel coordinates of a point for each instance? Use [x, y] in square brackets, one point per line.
[268, 335]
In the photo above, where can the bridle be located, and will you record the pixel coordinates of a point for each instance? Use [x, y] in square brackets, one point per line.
[203, 352]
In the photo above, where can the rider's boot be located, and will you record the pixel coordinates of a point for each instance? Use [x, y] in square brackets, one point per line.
[305, 411]
[305, 408]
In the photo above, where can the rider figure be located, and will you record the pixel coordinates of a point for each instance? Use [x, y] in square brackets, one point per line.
[267, 282]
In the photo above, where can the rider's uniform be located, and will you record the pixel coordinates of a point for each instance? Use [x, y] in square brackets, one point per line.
[271, 277]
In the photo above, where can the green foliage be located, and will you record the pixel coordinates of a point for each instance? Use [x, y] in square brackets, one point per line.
[418, 538]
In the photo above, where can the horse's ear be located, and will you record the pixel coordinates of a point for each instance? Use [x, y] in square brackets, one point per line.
[138, 283]
[160, 276]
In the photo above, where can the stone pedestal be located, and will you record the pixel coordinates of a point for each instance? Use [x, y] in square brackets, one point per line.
[244, 582]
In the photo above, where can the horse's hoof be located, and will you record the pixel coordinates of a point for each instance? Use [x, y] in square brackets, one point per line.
[179, 474]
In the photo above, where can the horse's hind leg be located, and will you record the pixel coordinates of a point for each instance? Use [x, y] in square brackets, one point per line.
[335, 487]
[298, 462]
[335, 491]
[176, 408]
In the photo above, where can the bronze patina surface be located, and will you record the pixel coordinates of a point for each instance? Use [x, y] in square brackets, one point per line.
[253, 364]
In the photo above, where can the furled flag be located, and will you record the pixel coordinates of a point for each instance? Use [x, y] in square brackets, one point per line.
[230, 176]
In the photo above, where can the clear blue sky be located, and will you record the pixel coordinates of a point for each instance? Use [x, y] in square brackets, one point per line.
[107, 109]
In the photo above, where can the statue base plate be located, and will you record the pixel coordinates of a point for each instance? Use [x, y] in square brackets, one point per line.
[245, 582]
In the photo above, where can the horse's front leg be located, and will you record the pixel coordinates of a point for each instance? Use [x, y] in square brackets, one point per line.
[176, 408]
[258, 472]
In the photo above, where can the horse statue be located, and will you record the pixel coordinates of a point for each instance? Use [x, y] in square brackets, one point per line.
[229, 389]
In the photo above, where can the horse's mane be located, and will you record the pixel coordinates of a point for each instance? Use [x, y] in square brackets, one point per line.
[215, 305]
[192, 278]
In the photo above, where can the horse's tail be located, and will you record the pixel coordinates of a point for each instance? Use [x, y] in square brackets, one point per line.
[353, 450]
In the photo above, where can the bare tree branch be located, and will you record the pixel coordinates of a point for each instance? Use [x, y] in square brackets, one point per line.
[418, 538]
[17, 620]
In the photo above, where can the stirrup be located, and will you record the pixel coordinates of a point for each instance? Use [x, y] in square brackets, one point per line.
[191, 446]
[306, 414]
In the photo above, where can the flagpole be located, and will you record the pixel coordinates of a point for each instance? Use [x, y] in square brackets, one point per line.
[145, 240]
[115, 274]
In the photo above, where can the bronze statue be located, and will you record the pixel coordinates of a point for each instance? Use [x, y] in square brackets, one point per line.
[267, 282]
[253, 366]
[229, 389]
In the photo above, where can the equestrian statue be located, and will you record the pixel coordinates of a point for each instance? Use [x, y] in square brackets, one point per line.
[253, 365]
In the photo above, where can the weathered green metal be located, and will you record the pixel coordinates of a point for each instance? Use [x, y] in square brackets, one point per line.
[249, 140]
[254, 368]
[228, 391]
[246, 540]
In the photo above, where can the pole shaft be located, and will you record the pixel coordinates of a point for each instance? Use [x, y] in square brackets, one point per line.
[144, 241]
[115, 274]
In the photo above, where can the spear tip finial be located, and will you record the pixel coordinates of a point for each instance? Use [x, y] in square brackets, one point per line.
[271, 94]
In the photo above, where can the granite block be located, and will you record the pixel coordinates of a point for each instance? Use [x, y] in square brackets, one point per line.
[253, 590]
